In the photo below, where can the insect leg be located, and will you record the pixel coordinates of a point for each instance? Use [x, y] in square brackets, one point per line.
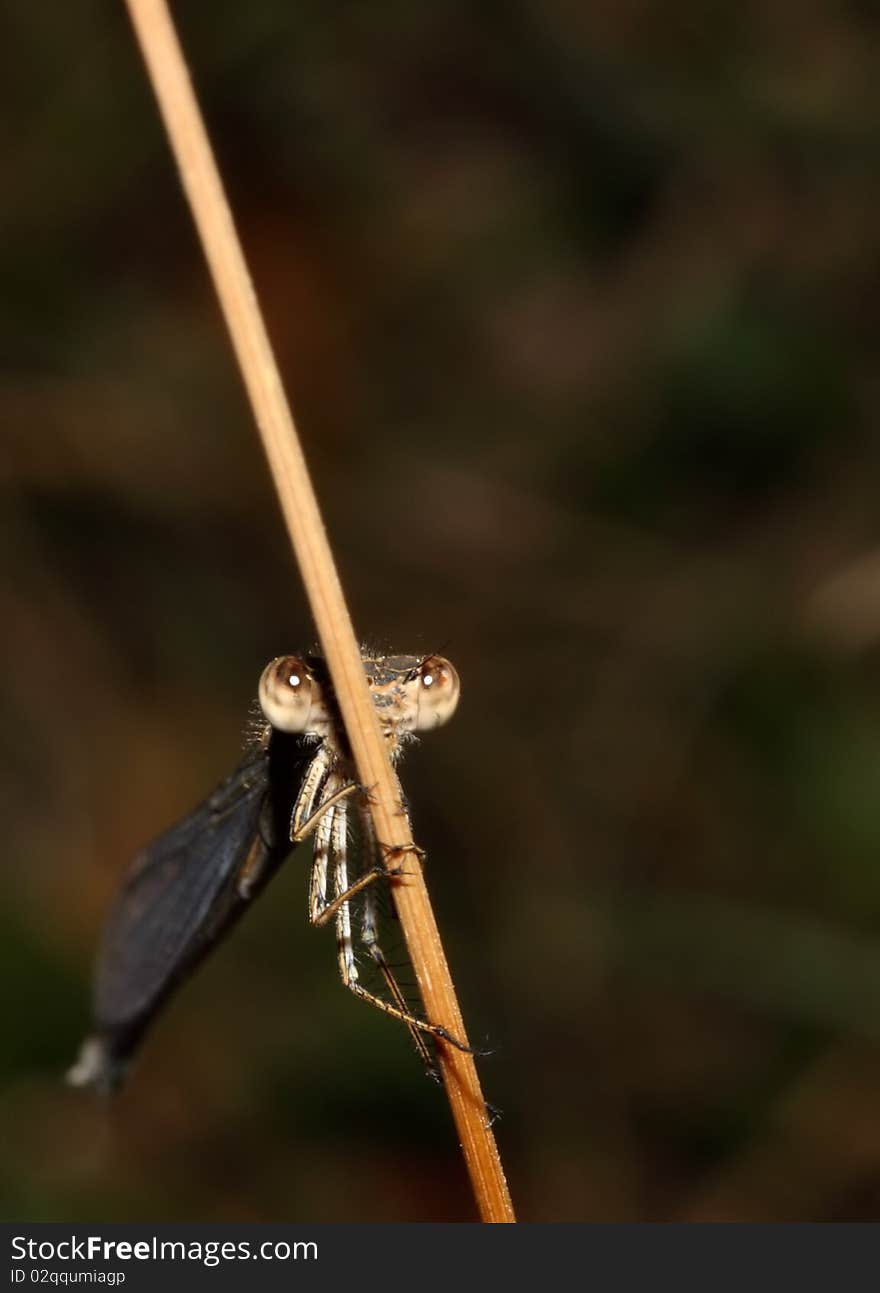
[335, 831]
[330, 837]
[379, 871]
[313, 800]
[320, 860]
[330, 802]
[370, 939]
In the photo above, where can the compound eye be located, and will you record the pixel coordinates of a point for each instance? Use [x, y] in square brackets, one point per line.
[439, 689]
[286, 693]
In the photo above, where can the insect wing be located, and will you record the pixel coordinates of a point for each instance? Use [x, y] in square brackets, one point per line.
[182, 894]
[178, 898]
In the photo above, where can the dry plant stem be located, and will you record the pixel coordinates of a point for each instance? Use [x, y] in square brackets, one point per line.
[204, 190]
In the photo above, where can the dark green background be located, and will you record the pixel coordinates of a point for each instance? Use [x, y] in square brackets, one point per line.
[578, 306]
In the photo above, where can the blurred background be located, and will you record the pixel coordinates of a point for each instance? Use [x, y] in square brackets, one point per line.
[578, 305]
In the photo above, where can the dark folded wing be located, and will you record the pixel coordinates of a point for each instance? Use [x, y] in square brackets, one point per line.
[179, 886]
[181, 895]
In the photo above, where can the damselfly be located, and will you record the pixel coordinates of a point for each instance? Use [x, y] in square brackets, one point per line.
[185, 891]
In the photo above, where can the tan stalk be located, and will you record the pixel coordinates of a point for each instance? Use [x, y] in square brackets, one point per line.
[201, 182]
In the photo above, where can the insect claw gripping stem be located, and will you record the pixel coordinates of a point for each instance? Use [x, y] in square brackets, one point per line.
[437, 1030]
[389, 851]
[382, 871]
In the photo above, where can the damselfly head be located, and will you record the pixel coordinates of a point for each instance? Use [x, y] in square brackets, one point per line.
[411, 694]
